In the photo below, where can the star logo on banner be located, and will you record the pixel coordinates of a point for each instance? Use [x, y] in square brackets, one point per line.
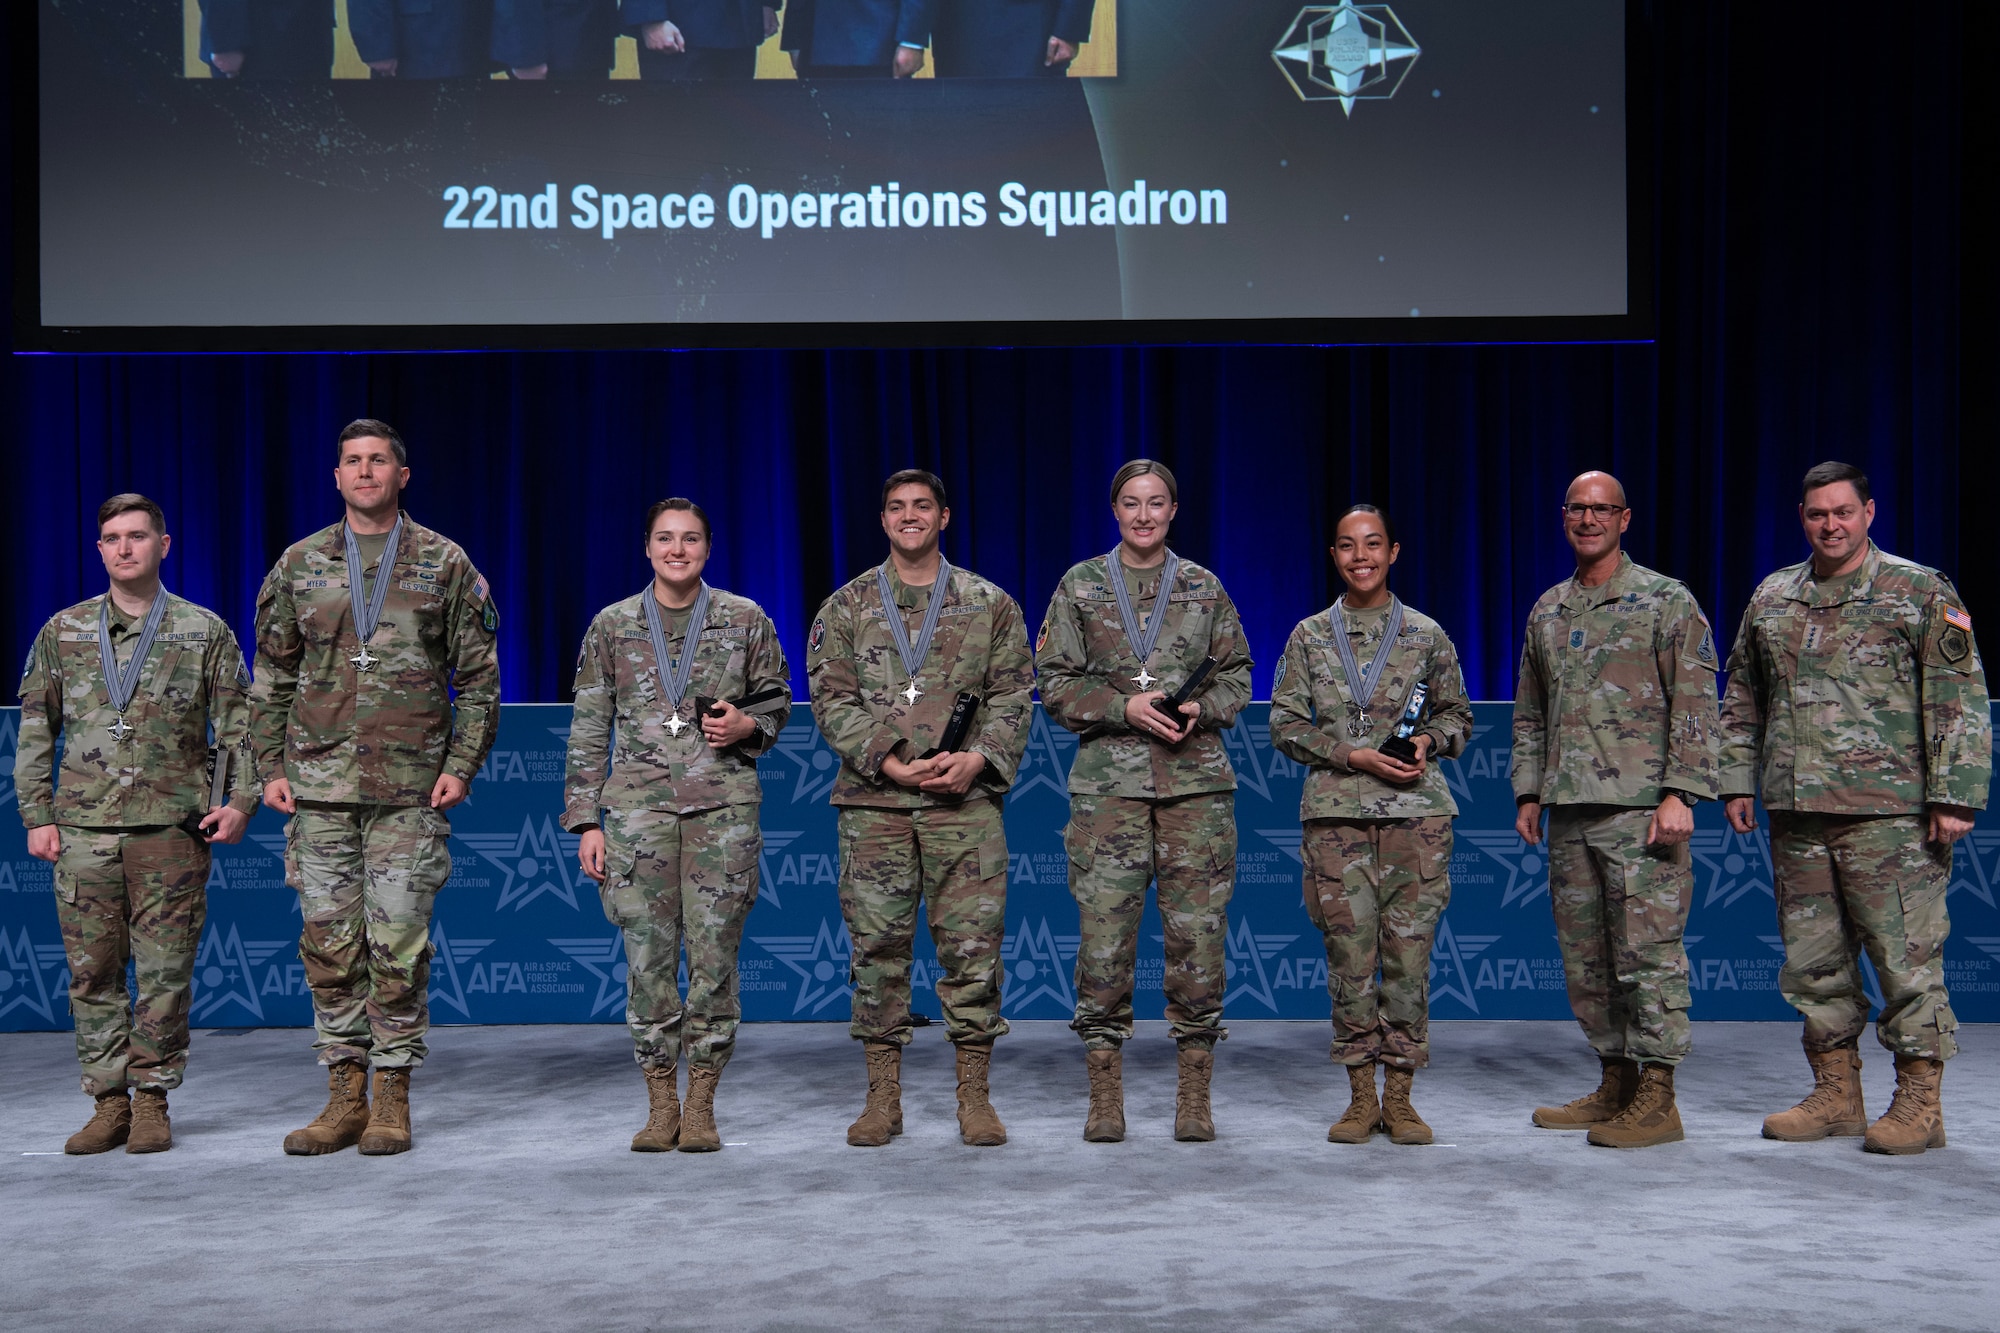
[224, 974]
[821, 961]
[1045, 763]
[1975, 865]
[1246, 756]
[604, 958]
[775, 840]
[1038, 963]
[24, 967]
[1290, 841]
[447, 956]
[1450, 952]
[818, 766]
[1737, 863]
[536, 861]
[1527, 868]
[1243, 963]
[1347, 53]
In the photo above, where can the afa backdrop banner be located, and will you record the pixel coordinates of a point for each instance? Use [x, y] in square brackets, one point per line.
[521, 938]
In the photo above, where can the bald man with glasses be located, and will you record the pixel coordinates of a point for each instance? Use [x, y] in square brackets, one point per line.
[1615, 731]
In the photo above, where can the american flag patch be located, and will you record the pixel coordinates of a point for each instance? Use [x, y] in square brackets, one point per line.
[1954, 616]
[479, 588]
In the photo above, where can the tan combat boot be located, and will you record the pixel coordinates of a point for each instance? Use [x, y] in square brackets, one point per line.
[1105, 1122]
[341, 1124]
[388, 1129]
[663, 1111]
[1650, 1119]
[883, 1116]
[109, 1125]
[1833, 1108]
[1611, 1095]
[698, 1132]
[1915, 1119]
[1193, 1122]
[151, 1130]
[1398, 1116]
[978, 1123]
[1364, 1113]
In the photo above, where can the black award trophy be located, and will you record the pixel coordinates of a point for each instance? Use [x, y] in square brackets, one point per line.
[706, 705]
[1172, 707]
[1399, 746]
[955, 730]
[218, 792]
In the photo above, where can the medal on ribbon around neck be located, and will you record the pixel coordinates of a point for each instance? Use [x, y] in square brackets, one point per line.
[121, 683]
[1142, 642]
[367, 614]
[1360, 683]
[676, 673]
[913, 654]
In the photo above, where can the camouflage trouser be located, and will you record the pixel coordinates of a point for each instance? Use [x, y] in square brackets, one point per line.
[138, 895]
[671, 877]
[1117, 845]
[954, 860]
[1845, 884]
[366, 876]
[1375, 888]
[1621, 908]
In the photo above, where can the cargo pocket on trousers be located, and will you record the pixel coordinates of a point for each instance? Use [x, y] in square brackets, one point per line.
[1926, 921]
[1674, 994]
[1081, 847]
[739, 864]
[86, 888]
[623, 904]
[993, 861]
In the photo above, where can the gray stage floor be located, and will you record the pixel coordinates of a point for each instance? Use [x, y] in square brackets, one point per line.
[522, 1208]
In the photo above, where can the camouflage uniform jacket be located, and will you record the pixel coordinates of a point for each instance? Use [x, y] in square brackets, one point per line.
[194, 676]
[1086, 667]
[1868, 700]
[857, 678]
[618, 692]
[1616, 701]
[1309, 716]
[377, 737]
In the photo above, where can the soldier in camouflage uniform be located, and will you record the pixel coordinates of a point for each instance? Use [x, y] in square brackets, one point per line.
[1149, 800]
[1615, 729]
[1857, 707]
[366, 736]
[1377, 846]
[916, 829]
[130, 876]
[669, 817]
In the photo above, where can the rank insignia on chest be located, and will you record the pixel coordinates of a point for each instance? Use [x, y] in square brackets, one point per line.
[1814, 633]
[1576, 638]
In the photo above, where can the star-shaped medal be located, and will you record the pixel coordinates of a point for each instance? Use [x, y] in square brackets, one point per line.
[120, 729]
[912, 694]
[675, 726]
[1144, 680]
[364, 660]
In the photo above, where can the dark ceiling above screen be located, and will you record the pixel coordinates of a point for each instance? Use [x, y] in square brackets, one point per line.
[1264, 171]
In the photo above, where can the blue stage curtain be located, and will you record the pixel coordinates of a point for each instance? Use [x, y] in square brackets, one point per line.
[1808, 228]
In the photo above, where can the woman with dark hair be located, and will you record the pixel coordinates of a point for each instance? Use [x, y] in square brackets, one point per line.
[1152, 794]
[1368, 694]
[669, 820]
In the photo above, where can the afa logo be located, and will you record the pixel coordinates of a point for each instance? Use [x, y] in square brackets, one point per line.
[10, 740]
[1244, 961]
[1734, 864]
[818, 766]
[1038, 964]
[538, 860]
[1258, 766]
[779, 866]
[503, 766]
[1975, 865]
[1527, 868]
[821, 961]
[1287, 840]
[27, 991]
[226, 972]
[1450, 977]
[449, 974]
[1046, 762]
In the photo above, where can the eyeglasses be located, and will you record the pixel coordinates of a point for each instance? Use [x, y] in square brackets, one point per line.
[1602, 513]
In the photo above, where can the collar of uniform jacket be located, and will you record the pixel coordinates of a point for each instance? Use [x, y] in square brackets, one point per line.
[1805, 588]
[1613, 588]
[334, 545]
